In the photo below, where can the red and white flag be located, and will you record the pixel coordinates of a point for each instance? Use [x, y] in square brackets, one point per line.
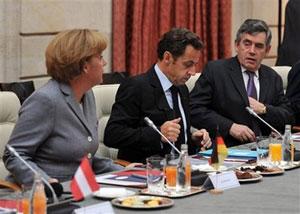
[84, 181]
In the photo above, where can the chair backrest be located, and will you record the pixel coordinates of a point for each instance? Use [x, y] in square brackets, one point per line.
[22, 89]
[191, 82]
[9, 108]
[283, 71]
[105, 98]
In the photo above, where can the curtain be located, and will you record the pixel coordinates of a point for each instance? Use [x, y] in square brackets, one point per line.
[138, 25]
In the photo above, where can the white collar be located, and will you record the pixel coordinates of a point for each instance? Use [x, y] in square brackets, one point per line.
[164, 81]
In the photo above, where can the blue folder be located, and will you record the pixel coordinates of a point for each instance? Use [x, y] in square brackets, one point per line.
[241, 153]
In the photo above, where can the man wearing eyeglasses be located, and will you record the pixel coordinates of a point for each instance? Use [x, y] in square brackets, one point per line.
[226, 87]
[161, 95]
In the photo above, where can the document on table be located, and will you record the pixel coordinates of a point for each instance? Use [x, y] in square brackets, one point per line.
[135, 178]
[238, 153]
[296, 137]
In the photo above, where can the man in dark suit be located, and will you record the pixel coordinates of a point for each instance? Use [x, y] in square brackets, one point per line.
[289, 50]
[161, 95]
[226, 87]
[293, 90]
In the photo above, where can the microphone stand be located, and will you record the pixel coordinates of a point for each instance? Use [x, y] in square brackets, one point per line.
[152, 125]
[252, 112]
[15, 153]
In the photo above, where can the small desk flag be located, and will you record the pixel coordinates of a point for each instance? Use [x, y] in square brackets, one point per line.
[219, 152]
[84, 181]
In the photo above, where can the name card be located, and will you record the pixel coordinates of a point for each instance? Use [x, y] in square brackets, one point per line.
[101, 208]
[222, 181]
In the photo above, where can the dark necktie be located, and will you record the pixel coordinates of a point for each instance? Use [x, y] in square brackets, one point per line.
[251, 89]
[180, 139]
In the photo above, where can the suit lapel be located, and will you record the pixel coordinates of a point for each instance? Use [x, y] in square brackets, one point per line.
[160, 98]
[74, 106]
[237, 78]
[263, 85]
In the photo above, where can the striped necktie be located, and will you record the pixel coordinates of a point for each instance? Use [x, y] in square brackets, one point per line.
[251, 89]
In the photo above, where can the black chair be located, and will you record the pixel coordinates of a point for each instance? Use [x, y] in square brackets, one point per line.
[21, 89]
[114, 77]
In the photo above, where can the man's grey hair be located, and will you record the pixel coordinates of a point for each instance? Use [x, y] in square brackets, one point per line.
[253, 27]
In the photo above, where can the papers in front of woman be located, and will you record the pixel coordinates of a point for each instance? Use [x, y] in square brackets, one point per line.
[296, 137]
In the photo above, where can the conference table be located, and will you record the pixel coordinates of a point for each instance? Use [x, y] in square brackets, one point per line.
[273, 194]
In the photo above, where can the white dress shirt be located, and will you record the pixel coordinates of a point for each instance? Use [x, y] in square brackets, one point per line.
[256, 80]
[166, 85]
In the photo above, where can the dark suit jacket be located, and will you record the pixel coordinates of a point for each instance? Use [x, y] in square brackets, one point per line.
[219, 98]
[289, 50]
[293, 90]
[139, 97]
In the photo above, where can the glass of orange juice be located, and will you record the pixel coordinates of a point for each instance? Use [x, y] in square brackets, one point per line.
[26, 193]
[275, 151]
[25, 206]
[39, 202]
[171, 171]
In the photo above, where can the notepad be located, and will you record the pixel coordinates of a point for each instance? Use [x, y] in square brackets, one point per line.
[136, 178]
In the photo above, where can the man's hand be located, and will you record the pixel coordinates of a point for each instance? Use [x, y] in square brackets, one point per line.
[258, 107]
[132, 165]
[241, 132]
[170, 129]
[201, 137]
[52, 180]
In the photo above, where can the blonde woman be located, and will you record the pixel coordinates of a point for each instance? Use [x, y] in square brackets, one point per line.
[57, 124]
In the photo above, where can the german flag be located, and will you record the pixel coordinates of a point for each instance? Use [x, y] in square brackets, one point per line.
[219, 152]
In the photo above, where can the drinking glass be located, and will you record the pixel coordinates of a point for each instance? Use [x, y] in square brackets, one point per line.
[275, 150]
[171, 171]
[26, 195]
[262, 145]
[155, 174]
[10, 200]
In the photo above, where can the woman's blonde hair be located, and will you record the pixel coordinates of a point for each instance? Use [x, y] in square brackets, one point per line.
[69, 50]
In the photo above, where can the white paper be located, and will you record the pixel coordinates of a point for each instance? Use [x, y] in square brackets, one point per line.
[296, 137]
[115, 192]
[224, 180]
[101, 208]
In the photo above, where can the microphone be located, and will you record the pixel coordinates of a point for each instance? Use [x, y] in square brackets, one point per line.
[252, 112]
[153, 126]
[15, 153]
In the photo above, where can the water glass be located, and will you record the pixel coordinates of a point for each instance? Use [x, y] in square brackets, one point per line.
[262, 145]
[155, 174]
